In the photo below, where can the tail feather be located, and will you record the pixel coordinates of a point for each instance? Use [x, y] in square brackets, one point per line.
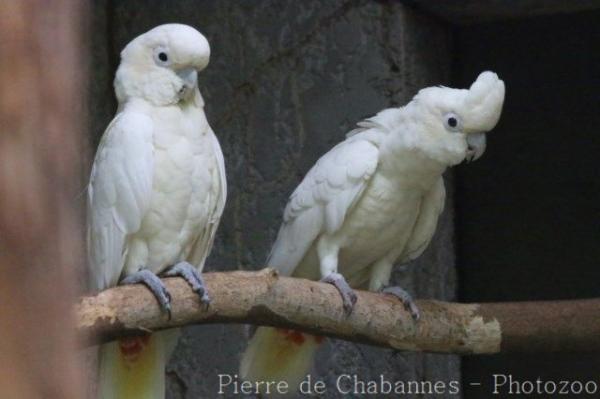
[275, 354]
[134, 368]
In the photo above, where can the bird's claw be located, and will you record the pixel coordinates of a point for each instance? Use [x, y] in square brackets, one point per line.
[190, 274]
[154, 284]
[406, 298]
[348, 295]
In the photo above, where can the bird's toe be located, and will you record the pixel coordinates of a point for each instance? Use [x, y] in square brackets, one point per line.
[191, 275]
[348, 295]
[406, 299]
[154, 284]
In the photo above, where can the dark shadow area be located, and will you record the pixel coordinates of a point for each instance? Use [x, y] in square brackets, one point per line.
[528, 213]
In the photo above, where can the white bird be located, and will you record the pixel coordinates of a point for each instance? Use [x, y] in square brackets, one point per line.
[371, 201]
[156, 194]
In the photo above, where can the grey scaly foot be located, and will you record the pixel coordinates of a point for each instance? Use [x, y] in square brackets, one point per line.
[407, 300]
[191, 275]
[154, 284]
[347, 293]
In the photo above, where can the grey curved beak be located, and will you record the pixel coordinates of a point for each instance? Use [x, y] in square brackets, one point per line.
[189, 77]
[476, 146]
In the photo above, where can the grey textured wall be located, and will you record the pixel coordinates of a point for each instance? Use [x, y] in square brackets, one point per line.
[286, 81]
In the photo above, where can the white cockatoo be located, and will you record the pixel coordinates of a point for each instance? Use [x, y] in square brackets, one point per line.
[156, 195]
[371, 201]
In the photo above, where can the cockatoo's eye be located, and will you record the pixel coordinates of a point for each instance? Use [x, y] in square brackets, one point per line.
[161, 56]
[452, 122]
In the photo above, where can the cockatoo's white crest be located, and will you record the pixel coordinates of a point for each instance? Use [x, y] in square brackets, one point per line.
[161, 65]
[483, 104]
[478, 107]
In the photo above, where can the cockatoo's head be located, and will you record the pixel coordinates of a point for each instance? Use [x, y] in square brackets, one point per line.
[161, 65]
[456, 120]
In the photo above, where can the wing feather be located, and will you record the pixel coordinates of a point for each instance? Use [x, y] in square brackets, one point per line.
[204, 242]
[119, 194]
[322, 200]
[426, 223]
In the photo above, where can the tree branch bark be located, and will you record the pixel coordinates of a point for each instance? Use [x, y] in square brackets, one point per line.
[264, 298]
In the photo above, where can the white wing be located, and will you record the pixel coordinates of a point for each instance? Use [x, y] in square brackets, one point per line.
[425, 226]
[204, 242]
[322, 200]
[119, 194]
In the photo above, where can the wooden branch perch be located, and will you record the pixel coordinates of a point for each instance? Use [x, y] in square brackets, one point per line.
[264, 298]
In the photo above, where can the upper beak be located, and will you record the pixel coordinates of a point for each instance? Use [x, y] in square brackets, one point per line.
[189, 77]
[476, 146]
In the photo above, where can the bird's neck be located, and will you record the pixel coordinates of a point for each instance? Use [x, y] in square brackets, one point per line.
[420, 169]
[194, 101]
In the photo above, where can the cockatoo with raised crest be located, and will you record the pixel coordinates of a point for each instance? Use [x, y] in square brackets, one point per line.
[372, 201]
[156, 195]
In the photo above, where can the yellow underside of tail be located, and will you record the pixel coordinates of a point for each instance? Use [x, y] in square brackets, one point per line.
[135, 374]
[278, 355]
[134, 368]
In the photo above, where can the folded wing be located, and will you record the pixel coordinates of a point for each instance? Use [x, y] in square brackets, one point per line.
[119, 194]
[321, 202]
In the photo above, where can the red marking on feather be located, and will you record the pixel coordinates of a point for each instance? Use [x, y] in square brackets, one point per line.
[131, 347]
[319, 338]
[293, 336]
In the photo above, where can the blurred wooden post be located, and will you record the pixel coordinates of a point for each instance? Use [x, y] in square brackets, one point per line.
[40, 176]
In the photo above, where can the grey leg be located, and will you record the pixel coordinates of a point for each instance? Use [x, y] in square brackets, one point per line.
[154, 284]
[190, 274]
[347, 293]
[407, 300]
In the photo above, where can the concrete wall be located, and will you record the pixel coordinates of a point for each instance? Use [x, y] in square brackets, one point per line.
[286, 81]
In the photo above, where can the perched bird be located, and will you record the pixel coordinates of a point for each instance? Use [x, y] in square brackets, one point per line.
[371, 201]
[156, 194]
